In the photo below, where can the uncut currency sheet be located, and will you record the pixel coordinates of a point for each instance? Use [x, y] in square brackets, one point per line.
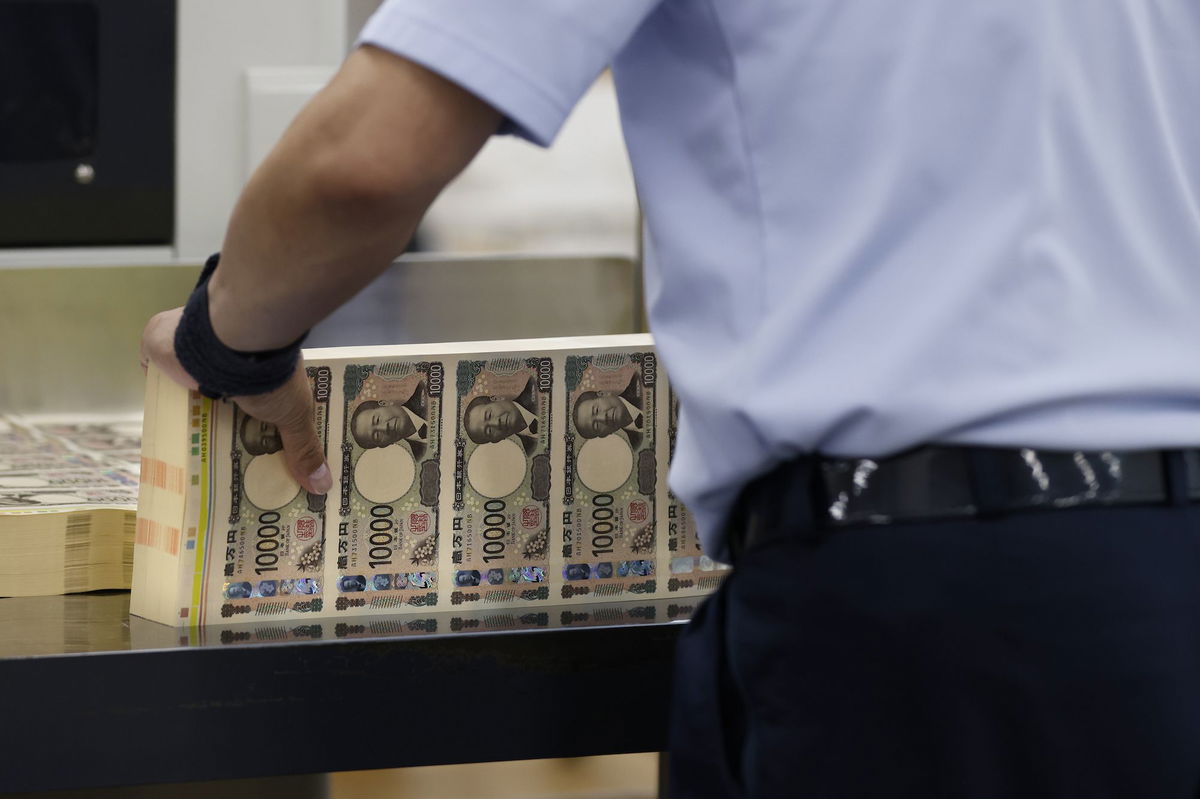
[503, 477]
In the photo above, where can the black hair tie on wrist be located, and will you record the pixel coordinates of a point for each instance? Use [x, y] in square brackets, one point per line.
[220, 370]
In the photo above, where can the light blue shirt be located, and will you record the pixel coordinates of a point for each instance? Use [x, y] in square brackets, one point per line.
[874, 224]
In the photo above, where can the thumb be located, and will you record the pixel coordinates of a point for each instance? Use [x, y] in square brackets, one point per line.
[305, 457]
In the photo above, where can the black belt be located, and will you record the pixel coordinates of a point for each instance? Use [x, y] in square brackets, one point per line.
[815, 493]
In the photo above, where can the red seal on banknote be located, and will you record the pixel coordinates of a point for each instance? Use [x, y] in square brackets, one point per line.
[531, 517]
[306, 528]
[638, 511]
[418, 522]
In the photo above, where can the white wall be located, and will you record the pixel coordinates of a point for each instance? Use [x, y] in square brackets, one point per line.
[247, 66]
[220, 41]
[576, 197]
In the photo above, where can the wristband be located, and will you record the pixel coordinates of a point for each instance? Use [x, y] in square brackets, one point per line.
[220, 370]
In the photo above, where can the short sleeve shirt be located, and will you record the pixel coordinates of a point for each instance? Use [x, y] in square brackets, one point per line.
[871, 224]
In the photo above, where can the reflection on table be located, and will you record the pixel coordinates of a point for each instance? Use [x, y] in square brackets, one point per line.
[100, 622]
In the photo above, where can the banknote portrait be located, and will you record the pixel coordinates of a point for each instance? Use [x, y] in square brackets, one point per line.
[389, 422]
[490, 419]
[259, 438]
[604, 413]
[238, 590]
[398, 419]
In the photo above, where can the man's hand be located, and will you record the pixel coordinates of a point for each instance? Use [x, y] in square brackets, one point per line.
[289, 407]
[330, 207]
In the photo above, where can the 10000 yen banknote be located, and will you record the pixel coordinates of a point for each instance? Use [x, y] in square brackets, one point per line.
[690, 568]
[275, 540]
[23, 441]
[501, 522]
[39, 462]
[113, 436]
[18, 500]
[66, 479]
[387, 541]
[611, 474]
[16, 438]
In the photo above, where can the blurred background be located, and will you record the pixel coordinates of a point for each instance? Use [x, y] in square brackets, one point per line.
[127, 129]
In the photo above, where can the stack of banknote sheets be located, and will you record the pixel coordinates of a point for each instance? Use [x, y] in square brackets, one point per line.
[467, 476]
[68, 496]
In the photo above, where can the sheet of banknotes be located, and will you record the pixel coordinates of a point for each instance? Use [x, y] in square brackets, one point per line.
[68, 492]
[467, 477]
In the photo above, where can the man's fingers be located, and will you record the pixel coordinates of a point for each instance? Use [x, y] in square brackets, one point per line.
[306, 458]
[290, 409]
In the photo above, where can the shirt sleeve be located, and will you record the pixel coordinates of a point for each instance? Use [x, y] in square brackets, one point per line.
[530, 59]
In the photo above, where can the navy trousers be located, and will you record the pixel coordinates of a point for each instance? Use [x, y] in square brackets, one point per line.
[1052, 654]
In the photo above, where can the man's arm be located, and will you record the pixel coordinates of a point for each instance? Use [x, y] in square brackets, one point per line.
[340, 196]
[335, 201]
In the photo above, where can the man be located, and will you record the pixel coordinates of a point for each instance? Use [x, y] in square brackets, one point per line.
[378, 423]
[922, 273]
[466, 578]
[259, 437]
[489, 419]
[602, 413]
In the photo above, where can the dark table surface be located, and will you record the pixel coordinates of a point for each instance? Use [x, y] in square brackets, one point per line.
[90, 696]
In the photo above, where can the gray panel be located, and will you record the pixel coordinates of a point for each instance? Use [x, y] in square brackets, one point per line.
[430, 299]
[69, 337]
